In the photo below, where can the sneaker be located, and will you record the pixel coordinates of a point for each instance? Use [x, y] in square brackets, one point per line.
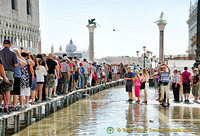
[5, 109]
[50, 98]
[27, 105]
[22, 107]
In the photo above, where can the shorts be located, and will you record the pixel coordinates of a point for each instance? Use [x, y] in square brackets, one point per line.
[34, 83]
[55, 82]
[16, 86]
[129, 88]
[156, 83]
[195, 90]
[40, 83]
[50, 80]
[64, 77]
[186, 88]
[142, 85]
[10, 76]
[25, 92]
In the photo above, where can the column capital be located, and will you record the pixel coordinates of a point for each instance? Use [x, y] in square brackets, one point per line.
[91, 28]
[161, 25]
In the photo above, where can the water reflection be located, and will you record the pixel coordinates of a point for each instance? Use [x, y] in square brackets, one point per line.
[109, 108]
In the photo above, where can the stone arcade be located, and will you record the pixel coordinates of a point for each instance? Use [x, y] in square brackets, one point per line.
[19, 22]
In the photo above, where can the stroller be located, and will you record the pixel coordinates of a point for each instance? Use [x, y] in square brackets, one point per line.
[3, 87]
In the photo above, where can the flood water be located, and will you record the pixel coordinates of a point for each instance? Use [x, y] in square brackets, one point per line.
[109, 112]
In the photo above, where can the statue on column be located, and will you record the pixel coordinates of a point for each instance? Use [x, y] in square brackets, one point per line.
[161, 20]
[92, 22]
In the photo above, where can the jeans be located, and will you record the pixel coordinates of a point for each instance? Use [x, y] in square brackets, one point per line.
[70, 83]
[64, 80]
[81, 82]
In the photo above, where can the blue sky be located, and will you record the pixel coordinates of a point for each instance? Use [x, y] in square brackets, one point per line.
[61, 20]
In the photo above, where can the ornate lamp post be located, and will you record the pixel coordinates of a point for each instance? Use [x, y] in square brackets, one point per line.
[154, 59]
[137, 52]
[197, 60]
[144, 49]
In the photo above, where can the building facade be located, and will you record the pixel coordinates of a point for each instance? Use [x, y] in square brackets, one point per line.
[192, 28]
[19, 22]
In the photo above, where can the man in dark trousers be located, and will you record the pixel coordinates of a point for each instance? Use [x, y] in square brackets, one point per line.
[129, 83]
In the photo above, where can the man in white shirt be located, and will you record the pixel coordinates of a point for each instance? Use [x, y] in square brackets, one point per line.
[86, 67]
[115, 69]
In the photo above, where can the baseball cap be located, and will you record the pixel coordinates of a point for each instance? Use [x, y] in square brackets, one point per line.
[6, 41]
[65, 58]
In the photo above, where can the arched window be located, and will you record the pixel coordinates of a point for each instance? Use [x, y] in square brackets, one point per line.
[28, 6]
[14, 4]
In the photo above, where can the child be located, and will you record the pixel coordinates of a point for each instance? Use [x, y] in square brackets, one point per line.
[137, 84]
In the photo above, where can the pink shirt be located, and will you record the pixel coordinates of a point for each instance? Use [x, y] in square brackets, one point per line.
[186, 76]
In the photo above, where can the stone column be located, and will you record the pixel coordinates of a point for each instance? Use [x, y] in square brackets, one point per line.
[91, 42]
[161, 26]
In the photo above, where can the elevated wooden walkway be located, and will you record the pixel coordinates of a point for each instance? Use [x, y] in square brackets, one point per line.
[16, 121]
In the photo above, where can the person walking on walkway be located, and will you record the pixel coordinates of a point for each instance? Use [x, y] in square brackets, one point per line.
[164, 83]
[40, 73]
[65, 71]
[176, 85]
[137, 84]
[17, 75]
[186, 84]
[195, 86]
[52, 65]
[86, 72]
[129, 83]
[10, 62]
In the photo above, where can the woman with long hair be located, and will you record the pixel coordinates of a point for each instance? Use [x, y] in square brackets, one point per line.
[145, 76]
[40, 73]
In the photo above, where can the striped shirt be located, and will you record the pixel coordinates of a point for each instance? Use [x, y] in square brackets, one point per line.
[176, 79]
[164, 77]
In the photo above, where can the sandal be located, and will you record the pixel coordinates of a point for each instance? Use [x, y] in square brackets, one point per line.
[15, 109]
[33, 103]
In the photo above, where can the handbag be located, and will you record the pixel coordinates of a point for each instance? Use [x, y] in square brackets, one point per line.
[3, 86]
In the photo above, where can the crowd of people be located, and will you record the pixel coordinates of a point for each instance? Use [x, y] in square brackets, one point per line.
[28, 79]
[181, 83]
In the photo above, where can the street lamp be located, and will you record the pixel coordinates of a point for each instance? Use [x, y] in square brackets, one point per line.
[144, 49]
[197, 60]
[154, 59]
[137, 52]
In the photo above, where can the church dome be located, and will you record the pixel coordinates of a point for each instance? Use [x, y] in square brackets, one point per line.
[71, 47]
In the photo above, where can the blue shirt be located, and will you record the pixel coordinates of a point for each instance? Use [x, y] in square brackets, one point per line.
[82, 71]
[17, 71]
[9, 58]
[129, 75]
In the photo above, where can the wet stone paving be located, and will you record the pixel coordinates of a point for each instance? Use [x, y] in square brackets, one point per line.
[109, 113]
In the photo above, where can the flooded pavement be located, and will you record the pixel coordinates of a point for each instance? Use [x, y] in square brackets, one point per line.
[109, 113]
